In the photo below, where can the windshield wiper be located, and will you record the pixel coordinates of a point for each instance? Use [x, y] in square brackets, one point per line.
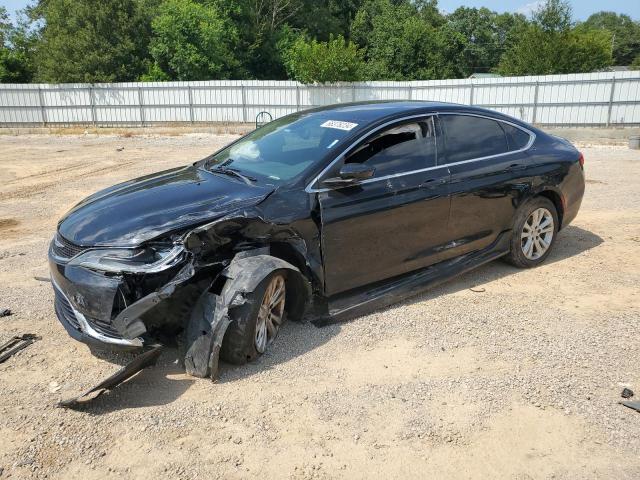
[232, 172]
[210, 163]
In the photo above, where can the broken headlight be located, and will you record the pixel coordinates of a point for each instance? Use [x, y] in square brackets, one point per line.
[150, 259]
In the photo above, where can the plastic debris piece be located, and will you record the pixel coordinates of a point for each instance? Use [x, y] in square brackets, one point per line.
[632, 405]
[626, 393]
[139, 363]
[16, 344]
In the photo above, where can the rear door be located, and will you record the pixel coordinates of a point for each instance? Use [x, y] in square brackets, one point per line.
[488, 165]
[392, 223]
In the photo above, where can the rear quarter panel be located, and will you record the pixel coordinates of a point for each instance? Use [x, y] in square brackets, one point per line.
[554, 166]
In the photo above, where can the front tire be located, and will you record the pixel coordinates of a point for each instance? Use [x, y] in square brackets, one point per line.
[257, 322]
[534, 232]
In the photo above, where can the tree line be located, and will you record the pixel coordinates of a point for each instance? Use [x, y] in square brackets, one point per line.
[313, 41]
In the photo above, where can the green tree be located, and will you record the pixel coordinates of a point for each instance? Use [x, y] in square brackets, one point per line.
[406, 40]
[310, 61]
[636, 63]
[316, 19]
[260, 26]
[88, 41]
[16, 50]
[191, 41]
[587, 50]
[554, 16]
[486, 36]
[625, 40]
[5, 28]
[5, 25]
[343, 13]
[551, 45]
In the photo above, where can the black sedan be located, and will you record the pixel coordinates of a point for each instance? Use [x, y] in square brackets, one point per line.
[320, 214]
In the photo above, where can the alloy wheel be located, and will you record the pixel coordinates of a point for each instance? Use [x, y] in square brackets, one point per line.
[270, 313]
[537, 233]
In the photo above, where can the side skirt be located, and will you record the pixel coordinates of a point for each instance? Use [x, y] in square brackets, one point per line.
[362, 301]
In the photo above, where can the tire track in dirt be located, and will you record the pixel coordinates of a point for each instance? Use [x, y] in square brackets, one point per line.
[28, 191]
[45, 174]
[9, 227]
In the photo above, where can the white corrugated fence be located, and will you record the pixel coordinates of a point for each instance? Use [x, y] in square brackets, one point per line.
[592, 99]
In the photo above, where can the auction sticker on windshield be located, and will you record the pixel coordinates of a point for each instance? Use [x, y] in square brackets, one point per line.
[339, 125]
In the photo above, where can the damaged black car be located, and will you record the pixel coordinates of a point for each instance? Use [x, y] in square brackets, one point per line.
[321, 214]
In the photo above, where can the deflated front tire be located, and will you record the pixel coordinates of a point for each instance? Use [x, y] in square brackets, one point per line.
[256, 323]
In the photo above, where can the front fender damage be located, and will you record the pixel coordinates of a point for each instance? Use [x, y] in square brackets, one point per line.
[227, 259]
[213, 313]
[209, 319]
[128, 321]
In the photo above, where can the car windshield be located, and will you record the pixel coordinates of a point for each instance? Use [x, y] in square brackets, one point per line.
[284, 148]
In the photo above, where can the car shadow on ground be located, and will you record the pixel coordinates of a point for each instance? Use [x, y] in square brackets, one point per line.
[570, 242]
[294, 340]
[155, 386]
[300, 338]
[158, 385]
[165, 382]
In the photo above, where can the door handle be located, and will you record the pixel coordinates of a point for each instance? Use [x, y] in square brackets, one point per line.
[433, 182]
[516, 166]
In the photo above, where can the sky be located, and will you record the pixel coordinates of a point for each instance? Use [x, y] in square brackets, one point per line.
[581, 8]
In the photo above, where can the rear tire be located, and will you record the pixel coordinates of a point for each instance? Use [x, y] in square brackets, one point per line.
[256, 323]
[535, 229]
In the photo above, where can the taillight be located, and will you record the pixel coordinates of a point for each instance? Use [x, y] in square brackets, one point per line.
[581, 161]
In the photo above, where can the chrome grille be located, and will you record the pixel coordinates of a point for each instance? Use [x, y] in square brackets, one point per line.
[105, 328]
[65, 312]
[64, 309]
[63, 248]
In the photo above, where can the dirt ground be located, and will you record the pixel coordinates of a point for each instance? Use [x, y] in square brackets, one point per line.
[501, 373]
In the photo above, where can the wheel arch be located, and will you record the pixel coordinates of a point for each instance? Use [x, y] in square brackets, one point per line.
[556, 198]
[249, 268]
[214, 312]
[299, 280]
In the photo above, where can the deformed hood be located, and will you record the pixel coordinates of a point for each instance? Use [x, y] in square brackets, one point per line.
[133, 212]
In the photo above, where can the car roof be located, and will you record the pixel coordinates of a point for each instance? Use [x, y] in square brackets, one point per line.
[373, 111]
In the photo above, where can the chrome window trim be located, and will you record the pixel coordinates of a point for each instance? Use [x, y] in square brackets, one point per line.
[532, 139]
[309, 188]
[532, 136]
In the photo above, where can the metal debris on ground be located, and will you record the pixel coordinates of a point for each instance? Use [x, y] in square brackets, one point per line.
[626, 393]
[42, 279]
[138, 364]
[632, 405]
[478, 289]
[5, 312]
[16, 344]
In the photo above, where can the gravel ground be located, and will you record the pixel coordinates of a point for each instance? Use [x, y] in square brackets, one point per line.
[501, 373]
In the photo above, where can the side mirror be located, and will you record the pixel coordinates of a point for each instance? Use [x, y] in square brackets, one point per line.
[351, 174]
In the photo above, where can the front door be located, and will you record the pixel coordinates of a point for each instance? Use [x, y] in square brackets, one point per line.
[392, 223]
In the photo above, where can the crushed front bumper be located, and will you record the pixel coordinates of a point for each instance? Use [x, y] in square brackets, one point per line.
[99, 308]
[86, 329]
[83, 304]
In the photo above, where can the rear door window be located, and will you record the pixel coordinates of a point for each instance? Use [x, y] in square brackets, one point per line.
[517, 138]
[470, 137]
[399, 149]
